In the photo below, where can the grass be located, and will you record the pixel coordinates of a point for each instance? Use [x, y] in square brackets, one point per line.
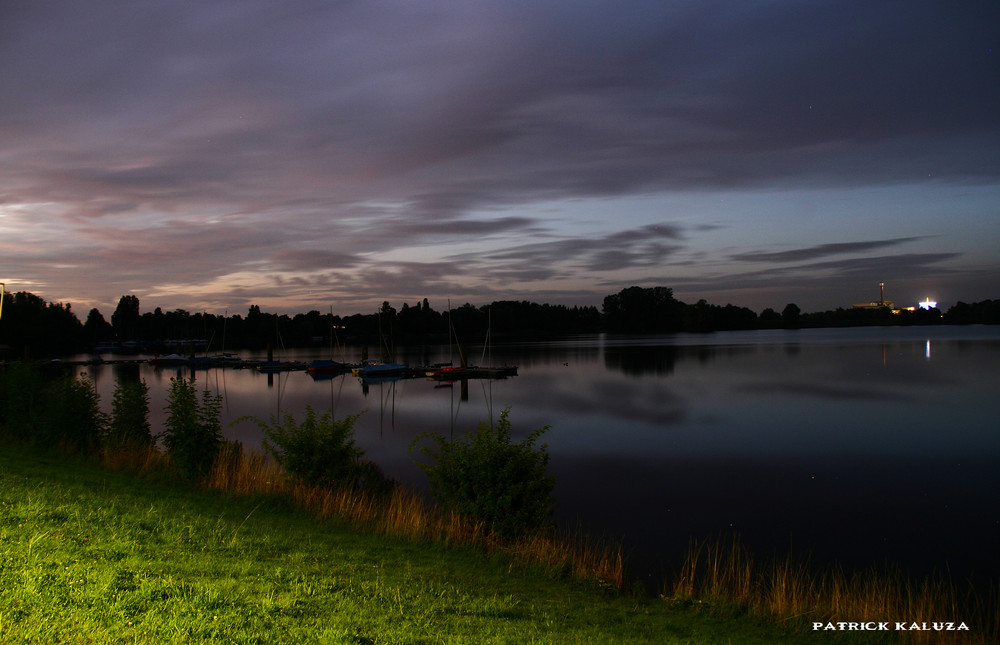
[791, 588]
[405, 514]
[91, 555]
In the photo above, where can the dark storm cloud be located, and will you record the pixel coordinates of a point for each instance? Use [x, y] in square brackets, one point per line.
[564, 98]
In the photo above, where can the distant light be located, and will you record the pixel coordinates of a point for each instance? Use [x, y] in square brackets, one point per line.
[928, 304]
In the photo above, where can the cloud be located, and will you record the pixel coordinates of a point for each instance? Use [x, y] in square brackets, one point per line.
[314, 145]
[819, 251]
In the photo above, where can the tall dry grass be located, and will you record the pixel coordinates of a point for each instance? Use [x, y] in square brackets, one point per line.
[400, 513]
[142, 459]
[791, 589]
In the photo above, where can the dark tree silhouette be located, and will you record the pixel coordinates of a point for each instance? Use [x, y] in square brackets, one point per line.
[640, 310]
[790, 315]
[97, 329]
[126, 319]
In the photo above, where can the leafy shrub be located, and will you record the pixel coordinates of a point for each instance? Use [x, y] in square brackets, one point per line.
[21, 387]
[129, 416]
[319, 451]
[193, 432]
[487, 477]
[72, 416]
[50, 409]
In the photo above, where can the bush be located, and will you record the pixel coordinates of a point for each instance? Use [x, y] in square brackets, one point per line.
[72, 416]
[486, 477]
[193, 432]
[129, 416]
[21, 406]
[320, 451]
[50, 409]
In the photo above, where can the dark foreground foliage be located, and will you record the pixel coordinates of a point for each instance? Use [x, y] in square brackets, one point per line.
[129, 416]
[320, 451]
[48, 411]
[193, 436]
[489, 478]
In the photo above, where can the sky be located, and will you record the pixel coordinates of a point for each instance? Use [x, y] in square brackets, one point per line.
[309, 154]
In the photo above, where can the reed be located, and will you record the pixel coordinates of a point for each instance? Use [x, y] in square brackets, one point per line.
[141, 459]
[401, 513]
[792, 589]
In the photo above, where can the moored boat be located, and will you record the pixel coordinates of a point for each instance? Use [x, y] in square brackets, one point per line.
[326, 366]
[169, 359]
[459, 373]
[380, 369]
[218, 360]
[280, 366]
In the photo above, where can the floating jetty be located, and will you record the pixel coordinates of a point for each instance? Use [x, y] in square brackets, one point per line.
[316, 368]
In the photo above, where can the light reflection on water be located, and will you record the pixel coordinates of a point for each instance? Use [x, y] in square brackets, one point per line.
[860, 445]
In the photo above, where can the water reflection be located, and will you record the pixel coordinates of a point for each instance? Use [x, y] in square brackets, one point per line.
[641, 361]
[854, 444]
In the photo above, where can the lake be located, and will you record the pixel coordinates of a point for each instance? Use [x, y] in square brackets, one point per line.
[861, 446]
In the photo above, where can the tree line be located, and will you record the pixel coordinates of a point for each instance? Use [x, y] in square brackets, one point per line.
[30, 326]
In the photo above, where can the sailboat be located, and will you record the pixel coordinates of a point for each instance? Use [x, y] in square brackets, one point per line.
[440, 371]
[452, 373]
[384, 369]
[271, 366]
[222, 359]
[327, 367]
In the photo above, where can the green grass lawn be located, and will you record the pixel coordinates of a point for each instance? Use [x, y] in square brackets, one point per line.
[93, 556]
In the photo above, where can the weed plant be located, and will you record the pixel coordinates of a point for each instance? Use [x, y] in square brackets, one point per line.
[21, 405]
[62, 410]
[488, 478]
[129, 427]
[193, 434]
[73, 416]
[318, 451]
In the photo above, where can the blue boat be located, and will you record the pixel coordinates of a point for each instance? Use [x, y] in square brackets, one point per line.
[374, 370]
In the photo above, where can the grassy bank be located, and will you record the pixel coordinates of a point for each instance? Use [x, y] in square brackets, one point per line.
[92, 555]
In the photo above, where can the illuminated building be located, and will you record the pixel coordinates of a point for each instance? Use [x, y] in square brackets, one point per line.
[882, 302]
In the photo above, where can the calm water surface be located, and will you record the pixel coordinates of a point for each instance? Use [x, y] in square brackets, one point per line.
[860, 446]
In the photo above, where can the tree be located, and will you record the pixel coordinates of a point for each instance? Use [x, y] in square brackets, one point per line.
[641, 310]
[769, 315]
[125, 319]
[97, 328]
[790, 315]
[31, 325]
